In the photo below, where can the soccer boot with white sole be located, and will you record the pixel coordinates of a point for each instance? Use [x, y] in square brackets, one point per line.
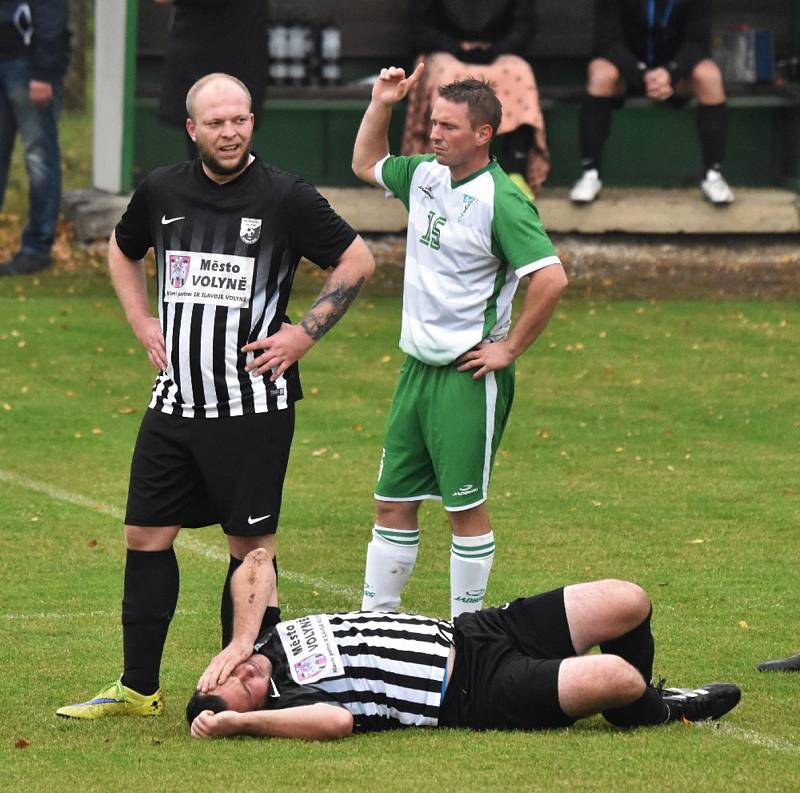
[115, 700]
[715, 189]
[587, 188]
[701, 704]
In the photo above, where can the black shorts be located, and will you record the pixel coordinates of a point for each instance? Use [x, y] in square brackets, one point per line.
[506, 669]
[195, 472]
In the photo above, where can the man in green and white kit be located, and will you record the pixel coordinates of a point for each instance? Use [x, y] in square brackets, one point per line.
[471, 236]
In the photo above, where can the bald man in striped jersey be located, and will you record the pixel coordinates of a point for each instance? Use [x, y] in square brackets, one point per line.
[228, 231]
[519, 667]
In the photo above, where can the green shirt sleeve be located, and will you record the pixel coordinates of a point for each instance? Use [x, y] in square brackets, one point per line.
[397, 172]
[518, 236]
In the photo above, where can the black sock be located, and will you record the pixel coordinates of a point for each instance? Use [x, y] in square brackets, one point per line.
[515, 147]
[272, 616]
[712, 128]
[649, 709]
[636, 647]
[594, 123]
[148, 603]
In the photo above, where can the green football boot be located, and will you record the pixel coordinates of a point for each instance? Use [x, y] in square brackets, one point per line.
[115, 700]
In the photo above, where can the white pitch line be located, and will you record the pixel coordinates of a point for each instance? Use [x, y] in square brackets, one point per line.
[752, 737]
[73, 615]
[191, 544]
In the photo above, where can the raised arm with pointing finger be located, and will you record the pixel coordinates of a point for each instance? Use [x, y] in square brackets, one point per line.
[472, 235]
[372, 141]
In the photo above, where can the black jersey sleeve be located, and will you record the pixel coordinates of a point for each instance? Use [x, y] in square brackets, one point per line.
[696, 43]
[609, 39]
[315, 230]
[133, 230]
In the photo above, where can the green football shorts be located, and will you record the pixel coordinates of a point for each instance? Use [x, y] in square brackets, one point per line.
[442, 435]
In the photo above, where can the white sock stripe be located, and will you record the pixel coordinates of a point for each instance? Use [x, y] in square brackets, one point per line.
[475, 555]
[472, 548]
[396, 536]
[479, 547]
[184, 541]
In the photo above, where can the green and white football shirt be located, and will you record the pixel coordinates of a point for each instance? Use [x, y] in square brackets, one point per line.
[468, 244]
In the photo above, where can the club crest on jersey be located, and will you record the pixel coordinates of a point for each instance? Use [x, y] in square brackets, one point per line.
[178, 270]
[250, 230]
[469, 200]
[310, 667]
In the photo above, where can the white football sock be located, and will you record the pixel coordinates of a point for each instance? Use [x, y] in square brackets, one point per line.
[470, 564]
[391, 555]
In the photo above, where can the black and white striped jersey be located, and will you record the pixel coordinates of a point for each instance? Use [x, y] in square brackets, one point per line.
[226, 256]
[391, 671]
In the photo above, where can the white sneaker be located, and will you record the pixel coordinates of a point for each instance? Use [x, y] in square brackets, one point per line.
[586, 189]
[715, 189]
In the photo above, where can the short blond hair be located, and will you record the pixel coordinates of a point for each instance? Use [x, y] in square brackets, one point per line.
[206, 80]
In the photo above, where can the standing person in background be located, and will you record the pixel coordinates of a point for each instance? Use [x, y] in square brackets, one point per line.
[34, 53]
[487, 41]
[472, 235]
[208, 36]
[661, 48]
[228, 231]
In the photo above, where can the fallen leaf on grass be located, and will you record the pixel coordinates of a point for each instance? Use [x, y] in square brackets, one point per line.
[743, 625]
[22, 743]
[92, 543]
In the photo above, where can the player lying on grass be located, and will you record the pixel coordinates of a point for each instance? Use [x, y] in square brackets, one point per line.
[521, 666]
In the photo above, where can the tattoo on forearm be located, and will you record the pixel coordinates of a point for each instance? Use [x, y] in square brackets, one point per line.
[317, 324]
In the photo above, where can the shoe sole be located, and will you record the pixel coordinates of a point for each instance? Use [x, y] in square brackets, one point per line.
[717, 203]
[108, 715]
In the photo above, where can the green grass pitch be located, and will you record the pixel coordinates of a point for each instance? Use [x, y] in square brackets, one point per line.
[650, 441]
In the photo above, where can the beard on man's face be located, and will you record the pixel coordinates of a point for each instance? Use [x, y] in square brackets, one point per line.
[215, 166]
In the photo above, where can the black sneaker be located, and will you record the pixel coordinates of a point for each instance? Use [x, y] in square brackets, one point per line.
[790, 664]
[25, 264]
[699, 704]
